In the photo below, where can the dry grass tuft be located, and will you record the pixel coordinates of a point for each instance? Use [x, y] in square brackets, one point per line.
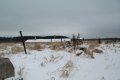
[89, 52]
[36, 46]
[57, 46]
[65, 72]
[93, 44]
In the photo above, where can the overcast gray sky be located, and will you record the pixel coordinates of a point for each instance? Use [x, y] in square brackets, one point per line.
[90, 18]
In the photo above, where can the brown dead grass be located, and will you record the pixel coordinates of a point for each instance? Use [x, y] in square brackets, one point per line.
[36, 46]
[93, 44]
[11, 47]
[4, 45]
[92, 48]
[57, 46]
[89, 52]
[16, 49]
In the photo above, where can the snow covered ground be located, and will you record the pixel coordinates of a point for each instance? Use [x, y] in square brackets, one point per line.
[61, 65]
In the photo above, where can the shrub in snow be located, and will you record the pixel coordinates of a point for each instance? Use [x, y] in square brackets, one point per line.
[89, 52]
[97, 50]
[65, 73]
[51, 59]
[70, 49]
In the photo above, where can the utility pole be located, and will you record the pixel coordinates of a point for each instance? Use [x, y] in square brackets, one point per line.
[23, 42]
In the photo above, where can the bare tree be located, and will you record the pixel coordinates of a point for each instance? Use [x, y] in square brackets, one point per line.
[74, 42]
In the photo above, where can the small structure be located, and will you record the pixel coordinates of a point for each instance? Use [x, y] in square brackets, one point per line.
[46, 40]
[6, 68]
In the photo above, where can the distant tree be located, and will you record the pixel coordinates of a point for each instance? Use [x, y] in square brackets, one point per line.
[78, 39]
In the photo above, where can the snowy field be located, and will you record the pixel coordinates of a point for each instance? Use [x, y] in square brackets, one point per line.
[48, 64]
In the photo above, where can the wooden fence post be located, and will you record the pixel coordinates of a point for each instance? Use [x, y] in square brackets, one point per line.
[23, 42]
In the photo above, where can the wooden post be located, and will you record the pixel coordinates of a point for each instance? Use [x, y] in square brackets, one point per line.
[23, 42]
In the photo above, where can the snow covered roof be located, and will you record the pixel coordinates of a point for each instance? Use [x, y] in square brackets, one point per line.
[47, 40]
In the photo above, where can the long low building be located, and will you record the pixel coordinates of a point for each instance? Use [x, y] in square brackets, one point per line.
[47, 40]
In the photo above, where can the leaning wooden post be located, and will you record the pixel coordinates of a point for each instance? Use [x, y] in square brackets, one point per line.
[23, 42]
